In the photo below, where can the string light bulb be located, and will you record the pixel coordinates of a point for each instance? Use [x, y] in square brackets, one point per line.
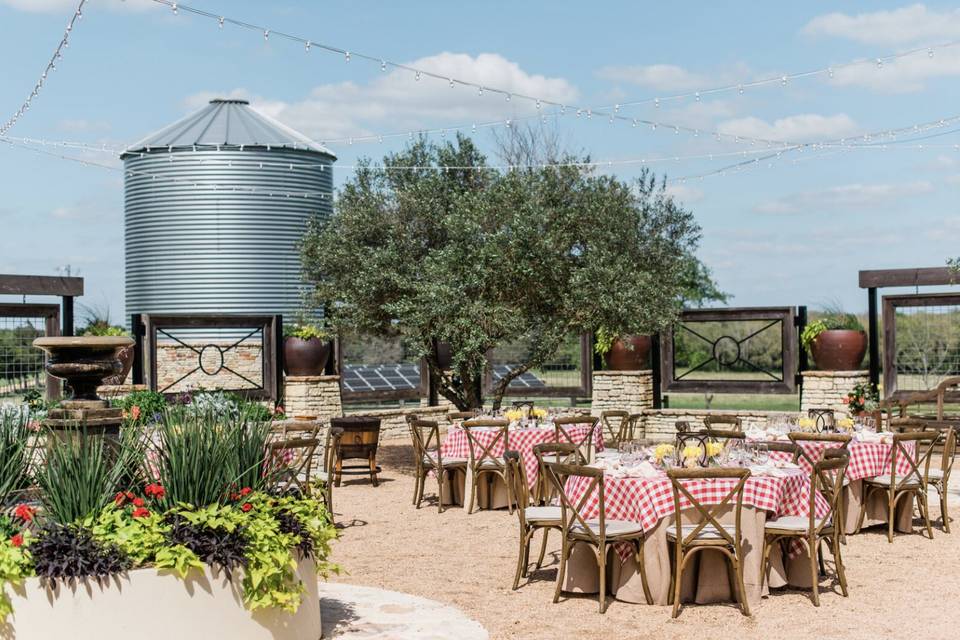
[266, 34]
[173, 8]
[220, 22]
[306, 47]
[346, 56]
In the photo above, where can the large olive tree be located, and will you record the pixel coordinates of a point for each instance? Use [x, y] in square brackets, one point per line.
[450, 250]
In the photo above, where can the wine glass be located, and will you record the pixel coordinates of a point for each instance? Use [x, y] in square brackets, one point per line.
[762, 454]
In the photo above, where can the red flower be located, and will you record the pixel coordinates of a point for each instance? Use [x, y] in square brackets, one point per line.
[119, 499]
[155, 491]
[279, 410]
[846, 400]
[17, 540]
[140, 512]
[24, 512]
[246, 491]
[138, 502]
[135, 412]
[246, 507]
[130, 495]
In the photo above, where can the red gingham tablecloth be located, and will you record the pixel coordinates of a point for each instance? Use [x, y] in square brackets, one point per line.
[456, 445]
[867, 459]
[647, 501]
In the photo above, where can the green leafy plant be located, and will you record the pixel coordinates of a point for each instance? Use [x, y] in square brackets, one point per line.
[17, 447]
[603, 341]
[96, 320]
[79, 474]
[141, 407]
[306, 331]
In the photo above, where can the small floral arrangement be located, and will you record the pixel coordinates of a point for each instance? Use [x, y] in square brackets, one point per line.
[662, 451]
[714, 449]
[807, 423]
[845, 423]
[692, 454]
[306, 331]
[538, 413]
[514, 415]
[863, 397]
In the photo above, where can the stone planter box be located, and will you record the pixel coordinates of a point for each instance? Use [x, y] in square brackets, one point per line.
[152, 605]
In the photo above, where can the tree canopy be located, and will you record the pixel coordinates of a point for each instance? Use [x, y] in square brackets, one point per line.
[450, 250]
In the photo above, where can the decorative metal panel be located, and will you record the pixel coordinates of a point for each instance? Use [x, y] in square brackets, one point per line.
[739, 350]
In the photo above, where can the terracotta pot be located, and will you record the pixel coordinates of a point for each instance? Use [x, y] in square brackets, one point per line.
[629, 354]
[125, 356]
[839, 349]
[305, 357]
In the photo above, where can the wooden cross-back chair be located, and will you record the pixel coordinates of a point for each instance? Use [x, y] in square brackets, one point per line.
[708, 532]
[459, 416]
[913, 483]
[292, 459]
[562, 430]
[598, 533]
[556, 452]
[722, 422]
[940, 476]
[532, 518]
[823, 419]
[839, 441]
[426, 443]
[483, 460]
[826, 478]
[616, 433]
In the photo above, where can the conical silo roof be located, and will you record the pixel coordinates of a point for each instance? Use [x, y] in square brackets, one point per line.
[227, 123]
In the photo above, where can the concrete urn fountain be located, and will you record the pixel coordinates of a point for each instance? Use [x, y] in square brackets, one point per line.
[83, 362]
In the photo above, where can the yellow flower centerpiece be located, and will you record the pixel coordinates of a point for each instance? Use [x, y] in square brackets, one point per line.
[662, 451]
[714, 449]
[692, 455]
[845, 423]
[538, 413]
[807, 424]
[514, 415]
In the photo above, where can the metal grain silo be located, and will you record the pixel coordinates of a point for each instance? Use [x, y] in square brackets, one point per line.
[215, 205]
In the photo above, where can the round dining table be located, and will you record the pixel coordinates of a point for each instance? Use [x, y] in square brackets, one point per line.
[649, 501]
[520, 439]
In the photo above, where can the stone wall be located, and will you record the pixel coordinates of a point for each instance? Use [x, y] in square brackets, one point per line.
[317, 396]
[393, 422]
[828, 389]
[628, 390]
[661, 424]
[174, 361]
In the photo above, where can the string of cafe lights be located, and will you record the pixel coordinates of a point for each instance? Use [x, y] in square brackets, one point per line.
[609, 112]
[51, 67]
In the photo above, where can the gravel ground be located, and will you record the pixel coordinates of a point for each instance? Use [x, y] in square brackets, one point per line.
[899, 590]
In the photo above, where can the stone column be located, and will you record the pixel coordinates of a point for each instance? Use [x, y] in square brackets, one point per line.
[828, 389]
[627, 390]
[312, 396]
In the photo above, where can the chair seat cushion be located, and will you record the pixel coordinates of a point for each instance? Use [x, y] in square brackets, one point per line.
[792, 523]
[447, 462]
[709, 532]
[542, 514]
[912, 479]
[613, 528]
[936, 474]
[487, 463]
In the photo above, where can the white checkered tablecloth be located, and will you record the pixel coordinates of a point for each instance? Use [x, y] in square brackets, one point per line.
[456, 445]
[867, 459]
[647, 501]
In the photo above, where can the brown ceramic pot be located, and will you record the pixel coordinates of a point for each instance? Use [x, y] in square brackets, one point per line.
[305, 357]
[631, 353]
[839, 349]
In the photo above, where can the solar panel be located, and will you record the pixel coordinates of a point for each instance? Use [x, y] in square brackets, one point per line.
[391, 377]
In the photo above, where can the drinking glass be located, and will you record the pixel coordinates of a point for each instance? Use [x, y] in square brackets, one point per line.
[762, 454]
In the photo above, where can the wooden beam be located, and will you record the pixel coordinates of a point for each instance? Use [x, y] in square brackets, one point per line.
[40, 285]
[926, 277]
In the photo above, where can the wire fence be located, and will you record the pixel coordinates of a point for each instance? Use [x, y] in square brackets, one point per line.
[927, 345]
[21, 364]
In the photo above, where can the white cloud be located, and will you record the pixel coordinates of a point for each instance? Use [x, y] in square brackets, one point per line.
[670, 77]
[905, 25]
[60, 6]
[802, 127]
[395, 101]
[904, 75]
[685, 194]
[845, 197]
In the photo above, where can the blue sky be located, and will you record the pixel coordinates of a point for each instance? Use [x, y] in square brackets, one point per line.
[792, 233]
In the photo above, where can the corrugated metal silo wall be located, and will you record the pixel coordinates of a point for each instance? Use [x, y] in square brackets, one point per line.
[210, 249]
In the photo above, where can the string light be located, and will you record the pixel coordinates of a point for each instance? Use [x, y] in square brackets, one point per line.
[51, 66]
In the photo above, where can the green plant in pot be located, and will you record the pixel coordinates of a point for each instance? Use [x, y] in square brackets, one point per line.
[836, 341]
[623, 352]
[97, 323]
[306, 349]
